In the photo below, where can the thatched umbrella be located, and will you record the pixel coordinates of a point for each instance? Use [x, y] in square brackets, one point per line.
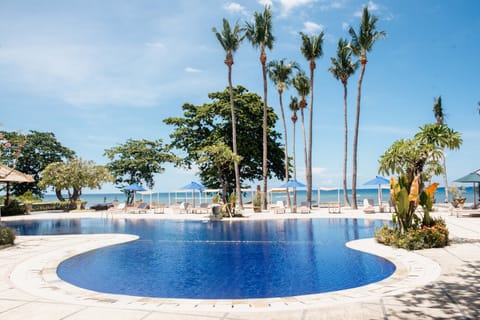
[10, 175]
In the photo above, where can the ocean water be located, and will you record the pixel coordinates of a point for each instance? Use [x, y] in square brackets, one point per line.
[318, 196]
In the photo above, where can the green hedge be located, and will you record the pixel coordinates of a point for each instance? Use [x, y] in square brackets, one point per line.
[425, 237]
[17, 208]
[7, 235]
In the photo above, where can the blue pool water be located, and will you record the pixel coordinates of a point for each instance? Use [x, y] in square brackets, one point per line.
[219, 260]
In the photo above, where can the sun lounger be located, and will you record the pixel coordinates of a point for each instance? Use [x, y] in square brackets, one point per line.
[368, 206]
[141, 208]
[203, 208]
[304, 207]
[279, 207]
[334, 207]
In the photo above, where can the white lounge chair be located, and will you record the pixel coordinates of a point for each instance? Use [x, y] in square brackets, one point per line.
[279, 207]
[368, 206]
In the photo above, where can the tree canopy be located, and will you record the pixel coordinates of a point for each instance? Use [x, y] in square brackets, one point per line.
[37, 151]
[210, 125]
[74, 175]
[137, 161]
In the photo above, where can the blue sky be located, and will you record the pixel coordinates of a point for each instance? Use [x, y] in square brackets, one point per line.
[97, 73]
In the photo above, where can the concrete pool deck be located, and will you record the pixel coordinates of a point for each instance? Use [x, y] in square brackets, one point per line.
[428, 284]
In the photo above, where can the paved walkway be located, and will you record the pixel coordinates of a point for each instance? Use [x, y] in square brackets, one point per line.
[428, 284]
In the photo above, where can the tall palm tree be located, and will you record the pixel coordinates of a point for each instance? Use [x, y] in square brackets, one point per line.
[312, 49]
[230, 41]
[361, 44]
[281, 73]
[259, 33]
[294, 108]
[302, 85]
[440, 117]
[342, 68]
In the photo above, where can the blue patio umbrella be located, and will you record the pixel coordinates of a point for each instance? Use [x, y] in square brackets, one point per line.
[293, 184]
[193, 186]
[473, 177]
[134, 187]
[378, 181]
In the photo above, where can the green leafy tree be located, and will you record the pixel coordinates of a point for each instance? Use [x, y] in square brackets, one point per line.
[312, 49]
[281, 74]
[362, 42]
[220, 159]
[38, 150]
[342, 69]
[210, 125]
[230, 41]
[260, 35]
[137, 161]
[74, 175]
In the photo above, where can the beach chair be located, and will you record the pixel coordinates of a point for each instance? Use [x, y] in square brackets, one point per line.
[141, 208]
[368, 206]
[279, 207]
[159, 208]
[204, 207]
[184, 207]
[304, 207]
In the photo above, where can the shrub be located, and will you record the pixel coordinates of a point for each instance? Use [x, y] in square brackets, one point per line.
[435, 236]
[7, 235]
[14, 208]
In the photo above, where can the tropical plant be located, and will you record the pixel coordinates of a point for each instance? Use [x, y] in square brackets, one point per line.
[259, 33]
[281, 73]
[312, 49]
[230, 41]
[441, 136]
[362, 42]
[294, 108]
[342, 69]
[74, 175]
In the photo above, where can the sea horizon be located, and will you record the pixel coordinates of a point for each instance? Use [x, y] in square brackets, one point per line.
[321, 195]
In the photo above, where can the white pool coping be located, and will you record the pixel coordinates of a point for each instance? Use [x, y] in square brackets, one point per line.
[36, 274]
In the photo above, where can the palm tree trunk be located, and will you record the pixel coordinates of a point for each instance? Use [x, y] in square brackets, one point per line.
[445, 182]
[345, 145]
[355, 138]
[309, 149]
[289, 204]
[294, 209]
[304, 138]
[265, 129]
[234, 141]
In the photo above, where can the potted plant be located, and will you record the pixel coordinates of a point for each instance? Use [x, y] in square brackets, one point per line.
[216, 206]
[28, 198]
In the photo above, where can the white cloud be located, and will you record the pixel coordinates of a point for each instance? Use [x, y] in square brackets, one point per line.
[288, 5]
[192, 70]
[345, 26]
[234, 7]
[312, 27]
[158, 45]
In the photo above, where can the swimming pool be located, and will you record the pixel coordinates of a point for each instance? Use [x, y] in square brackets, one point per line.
[219, 260]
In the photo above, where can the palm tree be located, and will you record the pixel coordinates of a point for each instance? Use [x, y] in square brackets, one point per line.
[441, 136]
[302, 85]
[280, 73]
[259, 33]
[311, 49]
[440, 116]
[230, 41]
[294, 108]
[361, 44]
[342, 68]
